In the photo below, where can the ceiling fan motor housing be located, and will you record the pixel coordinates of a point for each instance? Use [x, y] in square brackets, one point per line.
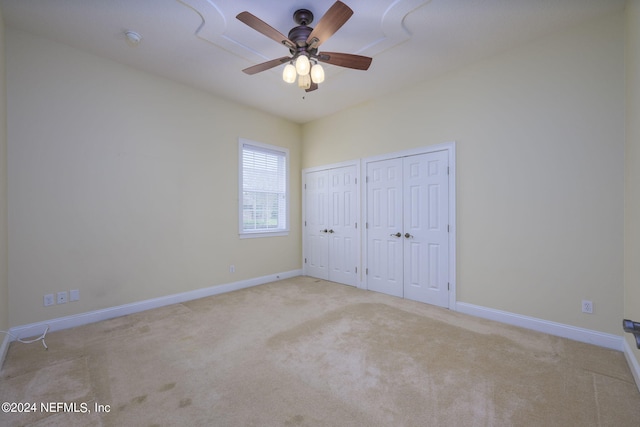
[300, 34]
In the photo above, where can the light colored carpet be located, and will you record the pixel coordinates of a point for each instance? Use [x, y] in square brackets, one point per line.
[312, 353]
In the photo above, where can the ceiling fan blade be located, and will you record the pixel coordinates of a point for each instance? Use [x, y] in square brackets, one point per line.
[357, 62]
[266, 65]
[331, 22]
[313, 87]
[262, 27]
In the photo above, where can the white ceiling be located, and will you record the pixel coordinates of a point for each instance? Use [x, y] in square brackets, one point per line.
[202, 44]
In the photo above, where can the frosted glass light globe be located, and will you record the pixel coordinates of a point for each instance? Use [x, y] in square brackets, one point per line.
[317, 73]
[304, 82]
[289, 73]
[303, 65]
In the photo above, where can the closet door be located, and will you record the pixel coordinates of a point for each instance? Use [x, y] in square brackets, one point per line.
[330, 225]
[342, 220]
[316, 225]
[384, 227]
[407, 227]
[426, 247]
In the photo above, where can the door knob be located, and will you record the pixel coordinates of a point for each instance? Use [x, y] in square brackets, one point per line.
[398, 234]
[331, 231]
[407, 235]
[323, 231]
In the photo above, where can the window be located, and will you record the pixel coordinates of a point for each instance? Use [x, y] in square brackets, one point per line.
[264, 199]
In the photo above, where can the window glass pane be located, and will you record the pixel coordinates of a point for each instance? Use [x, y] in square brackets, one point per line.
[264, 189]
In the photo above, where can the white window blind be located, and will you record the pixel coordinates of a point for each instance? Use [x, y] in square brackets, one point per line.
[263, 187]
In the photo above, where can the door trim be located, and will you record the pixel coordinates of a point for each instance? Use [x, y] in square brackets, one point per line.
[356, 163]
[450, 148]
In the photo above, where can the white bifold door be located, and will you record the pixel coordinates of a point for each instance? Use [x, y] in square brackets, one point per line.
[330, 224]
[407, 227]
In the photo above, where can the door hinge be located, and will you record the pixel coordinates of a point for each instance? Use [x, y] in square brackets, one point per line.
[367, 180]
[448, 286]
[447, 170]
[356, 270]
[305, 186]
[305, 260]
[356, 181]
[448, 228]
[356, 225]
[366, 271]
[305, 223]
[366, 225]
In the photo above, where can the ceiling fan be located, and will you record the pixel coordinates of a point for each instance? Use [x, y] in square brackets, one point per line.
[303, 42]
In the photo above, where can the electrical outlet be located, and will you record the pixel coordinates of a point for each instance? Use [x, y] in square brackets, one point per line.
[232, 268]
[74, 295]
[587, 306]
[63, 297]
[49, 300]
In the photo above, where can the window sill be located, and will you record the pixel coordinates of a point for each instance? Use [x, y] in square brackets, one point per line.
[264, 234]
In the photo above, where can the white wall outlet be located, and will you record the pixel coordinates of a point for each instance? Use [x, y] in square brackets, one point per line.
[232, 268]
[63, 297]
[587, 306]
[74, 295]
[49, 300]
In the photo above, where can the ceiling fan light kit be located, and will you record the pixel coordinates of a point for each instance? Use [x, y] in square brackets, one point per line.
[303, 42]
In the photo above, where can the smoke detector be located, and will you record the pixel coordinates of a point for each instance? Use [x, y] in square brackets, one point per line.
[133, 38]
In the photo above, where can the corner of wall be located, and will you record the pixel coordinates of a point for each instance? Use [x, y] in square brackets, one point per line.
[4, 278]
[634, 364]
[631, 176]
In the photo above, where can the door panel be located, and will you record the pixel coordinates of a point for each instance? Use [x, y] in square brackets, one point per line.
[426, 213]
[415, 205]
[342, 225]
[384, 219]
[317, 245]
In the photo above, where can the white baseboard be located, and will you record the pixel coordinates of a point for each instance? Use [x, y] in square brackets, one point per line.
[123, 310]
[601, 339]
[632, 360]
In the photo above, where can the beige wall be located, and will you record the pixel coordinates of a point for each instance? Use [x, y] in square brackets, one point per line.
[4, 277]
[632, 172]
[540, 139]
[124, 185]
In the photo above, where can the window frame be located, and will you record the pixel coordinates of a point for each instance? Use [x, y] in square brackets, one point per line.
[242, 232]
